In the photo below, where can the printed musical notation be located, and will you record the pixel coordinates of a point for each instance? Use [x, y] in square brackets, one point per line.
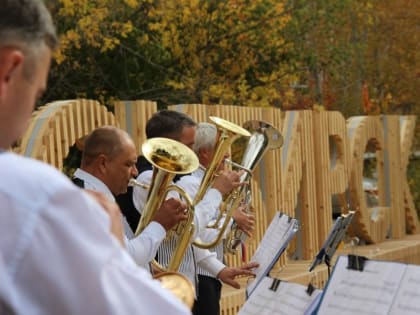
[285, 299]
[277, 236]
[380, 288]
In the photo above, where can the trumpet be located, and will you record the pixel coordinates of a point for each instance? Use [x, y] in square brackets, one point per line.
[264, 137]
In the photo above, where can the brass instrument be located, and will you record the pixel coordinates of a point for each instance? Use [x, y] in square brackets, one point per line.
[264, 137]
[169, 158]
[228, 133]
[179, 285]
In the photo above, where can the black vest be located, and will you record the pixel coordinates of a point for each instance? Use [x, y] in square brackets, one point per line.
[125, 201]
[78, 182]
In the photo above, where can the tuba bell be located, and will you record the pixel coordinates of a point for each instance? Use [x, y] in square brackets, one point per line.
[264, 137]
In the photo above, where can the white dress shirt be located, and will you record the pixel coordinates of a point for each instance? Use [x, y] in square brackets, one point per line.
[58, 251]
[190, 184]
[8, 304]
[142, 248]
[204, 212]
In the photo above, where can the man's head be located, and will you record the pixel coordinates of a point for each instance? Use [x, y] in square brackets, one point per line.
[171, 124]
[110, 155]
[27, 39]
[205, 141]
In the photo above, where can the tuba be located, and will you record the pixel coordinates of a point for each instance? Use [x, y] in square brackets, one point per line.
[228, 133]
[264, 137]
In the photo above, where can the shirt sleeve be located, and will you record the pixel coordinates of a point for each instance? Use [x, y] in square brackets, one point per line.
[143, 248]
[207, 209]
[81, 267]
[208, 261]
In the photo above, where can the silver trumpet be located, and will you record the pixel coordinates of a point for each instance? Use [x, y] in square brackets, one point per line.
[264, 137]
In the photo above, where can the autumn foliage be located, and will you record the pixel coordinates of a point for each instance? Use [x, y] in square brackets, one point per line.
[352, 56]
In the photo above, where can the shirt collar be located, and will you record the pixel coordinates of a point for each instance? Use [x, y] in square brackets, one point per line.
[199, 172]
[94, 183]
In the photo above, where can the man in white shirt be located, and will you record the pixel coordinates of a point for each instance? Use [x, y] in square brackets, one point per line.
[209, 287]
[107, 165]
[58, 253]
[178, 126]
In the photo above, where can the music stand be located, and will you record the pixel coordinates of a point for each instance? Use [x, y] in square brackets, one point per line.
[336, 235]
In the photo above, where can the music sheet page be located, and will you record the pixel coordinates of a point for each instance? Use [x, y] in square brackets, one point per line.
[277, 234]
[369, 292]
[287, 299]
[407, 301]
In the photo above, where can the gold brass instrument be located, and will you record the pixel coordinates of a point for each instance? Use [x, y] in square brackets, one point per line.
[228, 133]
[264, 137]
[169, 158]
[179, 285]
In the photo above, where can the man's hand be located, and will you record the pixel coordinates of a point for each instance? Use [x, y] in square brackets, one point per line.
[245, 221]
[226, 181]
[228, 274]
[170, 213]
[114, 213]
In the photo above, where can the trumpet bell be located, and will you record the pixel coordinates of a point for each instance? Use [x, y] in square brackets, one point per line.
[170, 155]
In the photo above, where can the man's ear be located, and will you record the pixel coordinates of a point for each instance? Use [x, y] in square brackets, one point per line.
[10, 60]
[102, 160]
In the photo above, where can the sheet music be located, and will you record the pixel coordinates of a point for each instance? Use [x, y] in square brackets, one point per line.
[407, 300]
[275, 240]
[369, 292]
[287, 299]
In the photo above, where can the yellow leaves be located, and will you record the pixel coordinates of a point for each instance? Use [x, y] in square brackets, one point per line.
[70, 39]
[131, 3]
[176, 85]
[109, 43]
[59, 56]
[93, 25]
[218, 50]
[123, 29]
[155, 26]
[279, 8]
[144, 39]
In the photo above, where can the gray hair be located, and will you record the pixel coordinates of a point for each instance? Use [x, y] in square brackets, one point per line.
[27, 25]
[205, 136]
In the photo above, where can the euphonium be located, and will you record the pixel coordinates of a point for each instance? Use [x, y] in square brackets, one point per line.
[263, 137]
[169, 158]
[228, 133]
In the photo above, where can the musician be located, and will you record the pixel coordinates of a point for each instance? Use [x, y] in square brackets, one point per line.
[209, 287]
[160, 125]
[107, 165]
[57, 250]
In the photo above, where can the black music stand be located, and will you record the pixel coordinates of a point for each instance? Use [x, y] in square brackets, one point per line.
[336, 235]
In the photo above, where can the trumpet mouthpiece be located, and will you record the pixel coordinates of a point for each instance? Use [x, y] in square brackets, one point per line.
[133, 183]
